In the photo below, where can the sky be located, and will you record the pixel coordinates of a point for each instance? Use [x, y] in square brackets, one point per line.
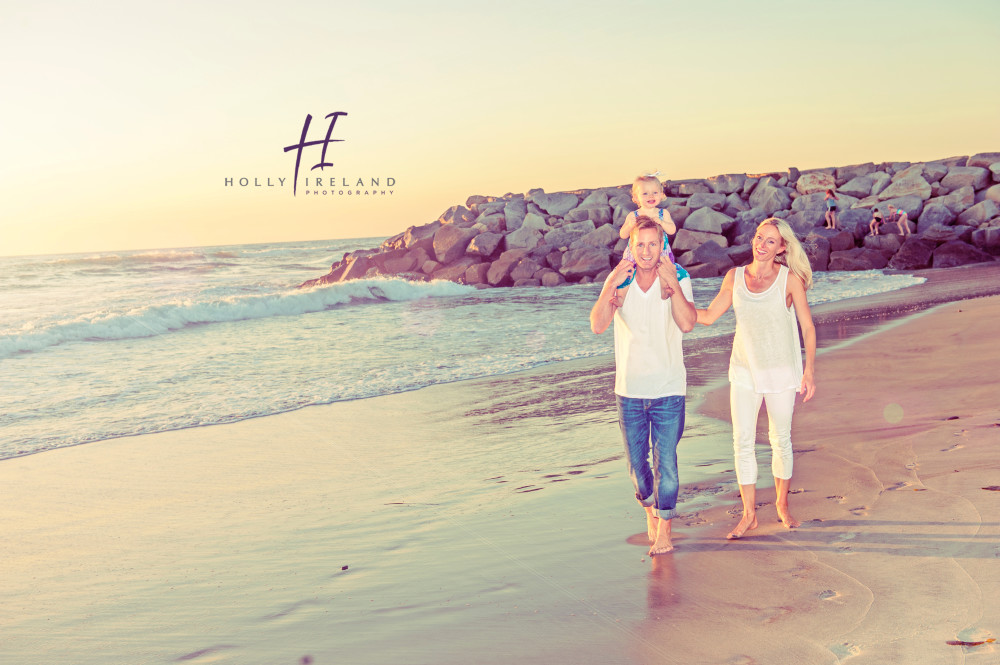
[122, 121]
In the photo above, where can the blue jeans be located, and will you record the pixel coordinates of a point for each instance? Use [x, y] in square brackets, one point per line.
[653, 425]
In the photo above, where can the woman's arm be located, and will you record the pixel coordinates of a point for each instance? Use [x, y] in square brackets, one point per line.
[723, 301]
[798, 293]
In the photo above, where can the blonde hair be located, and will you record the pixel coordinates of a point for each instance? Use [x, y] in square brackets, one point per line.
[642, 223]
[794, 255]
[646, 177]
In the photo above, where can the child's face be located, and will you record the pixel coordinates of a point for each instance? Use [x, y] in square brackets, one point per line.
[647, 194]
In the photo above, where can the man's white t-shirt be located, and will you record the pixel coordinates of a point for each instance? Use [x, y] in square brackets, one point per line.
[649, 360]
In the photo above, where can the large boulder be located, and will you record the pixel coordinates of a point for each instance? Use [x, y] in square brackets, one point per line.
[941, 234]
[456, 271]
[596, 214]
[847, 173]
[686, 240]
[459, 215]
[984, 159]
[485, 244]
[514, 212]
[420, 236]
[992, 194]
[770, 198]
[815, 181]
[712, 268]
[976, 177]
[494, 222]
[915, 254]
[936, 214]
[839, 239]
[958, 253]
[477, 274]
[880, 181]
[687, 187]
[356, 268]
[861, 186]
[567, 234]
[858, 258]
[911, 185]
[499, 272]
[957, 201]
[700, 200]
[983, 211]
[934, 171]
[706, 253]
[451, 241]
[804, 221]
[886, 244]
[995, 171]
[987, 238]
[556, 204]
[817, 249]
[584, 262]
[603, 236]
[529, 234]
[525, 269]
[729, 183]
[708, 220]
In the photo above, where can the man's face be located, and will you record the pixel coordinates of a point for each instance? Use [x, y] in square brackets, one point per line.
[646, 248]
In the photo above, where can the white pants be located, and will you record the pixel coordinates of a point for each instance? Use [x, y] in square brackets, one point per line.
[744, 404]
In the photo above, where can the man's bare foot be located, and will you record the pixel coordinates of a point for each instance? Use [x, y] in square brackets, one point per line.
[652, 523]
[748, 522]
[662, 544]
[786, 518]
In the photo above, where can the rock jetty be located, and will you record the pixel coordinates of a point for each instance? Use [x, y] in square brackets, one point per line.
[548, 239]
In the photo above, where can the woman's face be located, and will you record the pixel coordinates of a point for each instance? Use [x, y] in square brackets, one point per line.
[768, 243]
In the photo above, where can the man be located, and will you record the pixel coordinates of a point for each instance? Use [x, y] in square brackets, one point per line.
[650, 380]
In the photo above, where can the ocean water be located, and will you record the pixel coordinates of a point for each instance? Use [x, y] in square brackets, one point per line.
[101, 345]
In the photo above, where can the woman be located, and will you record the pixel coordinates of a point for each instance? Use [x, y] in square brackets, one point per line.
[766, 363]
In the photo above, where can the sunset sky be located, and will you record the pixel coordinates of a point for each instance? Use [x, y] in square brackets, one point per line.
[121, 121]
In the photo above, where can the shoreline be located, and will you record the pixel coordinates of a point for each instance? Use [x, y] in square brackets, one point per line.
[270, 539]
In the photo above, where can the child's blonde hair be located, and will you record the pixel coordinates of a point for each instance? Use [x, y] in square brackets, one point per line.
[794, 256]
[646, 177]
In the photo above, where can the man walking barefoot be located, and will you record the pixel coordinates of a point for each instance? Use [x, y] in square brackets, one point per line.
[650, 379]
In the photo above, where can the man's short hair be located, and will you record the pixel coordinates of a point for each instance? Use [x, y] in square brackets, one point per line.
[641, 223]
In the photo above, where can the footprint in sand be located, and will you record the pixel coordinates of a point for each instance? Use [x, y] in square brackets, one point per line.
[845, 650]
[828, 594]
[837, 498]
[859, 511]
[898, 486]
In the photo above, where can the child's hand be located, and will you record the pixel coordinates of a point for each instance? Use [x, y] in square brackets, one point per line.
[621, 272]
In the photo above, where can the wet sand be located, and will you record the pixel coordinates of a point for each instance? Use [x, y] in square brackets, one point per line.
[349, 533]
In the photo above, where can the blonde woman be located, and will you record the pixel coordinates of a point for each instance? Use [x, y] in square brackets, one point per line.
[766, 364]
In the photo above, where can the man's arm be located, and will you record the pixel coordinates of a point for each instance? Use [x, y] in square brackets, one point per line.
[603, 311]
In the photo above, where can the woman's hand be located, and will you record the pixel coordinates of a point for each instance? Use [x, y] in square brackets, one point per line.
[808, 387]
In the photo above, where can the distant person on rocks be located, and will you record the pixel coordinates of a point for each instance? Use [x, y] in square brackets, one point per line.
[647, 193]
[766, 364]
[875, 223]
[831, 209]
[650, 379]
[898, 215]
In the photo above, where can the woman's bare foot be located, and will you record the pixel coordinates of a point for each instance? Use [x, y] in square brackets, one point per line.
[786, 518]
[748, 522]
[662, 544]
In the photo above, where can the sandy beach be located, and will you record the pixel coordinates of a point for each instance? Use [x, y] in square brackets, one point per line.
[316, 536]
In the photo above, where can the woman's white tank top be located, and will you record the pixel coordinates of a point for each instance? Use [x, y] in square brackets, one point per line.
[767, 352]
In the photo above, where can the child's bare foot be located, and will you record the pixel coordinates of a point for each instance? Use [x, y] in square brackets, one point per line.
[786, 518]
[748, 522]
